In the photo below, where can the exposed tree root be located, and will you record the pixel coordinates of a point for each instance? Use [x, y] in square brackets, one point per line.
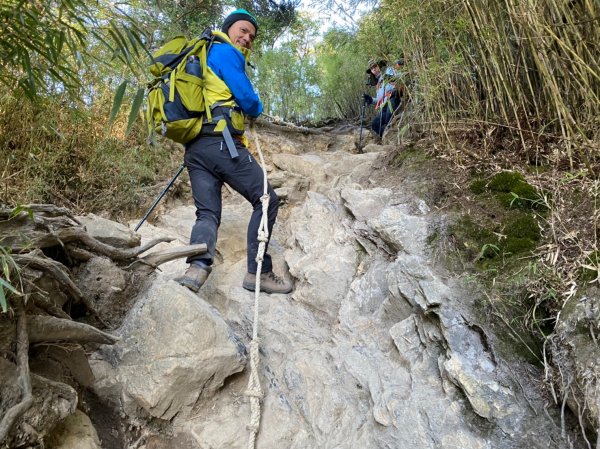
[24, 379]
[33, 235]
[79, 254]
[79, 235]
[57, 271]
[281, 126]
[48, 306]
[48, 328]
[157, 258]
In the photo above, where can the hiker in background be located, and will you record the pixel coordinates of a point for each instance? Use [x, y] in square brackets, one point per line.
[220, 155]
[385, 100]
[402, 82]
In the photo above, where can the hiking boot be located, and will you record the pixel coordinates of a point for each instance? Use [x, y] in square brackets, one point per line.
[269, 283]
[194, 277]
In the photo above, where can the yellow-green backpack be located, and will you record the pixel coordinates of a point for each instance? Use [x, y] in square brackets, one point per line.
[176, 104]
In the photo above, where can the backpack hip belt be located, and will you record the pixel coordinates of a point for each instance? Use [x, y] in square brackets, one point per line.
[221, 125]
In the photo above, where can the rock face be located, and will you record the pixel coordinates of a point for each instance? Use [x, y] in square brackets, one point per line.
[377, 347]
[576, 356]
[175, 347]
[109, 232]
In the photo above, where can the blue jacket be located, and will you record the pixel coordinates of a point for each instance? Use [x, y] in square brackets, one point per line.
[229, 64]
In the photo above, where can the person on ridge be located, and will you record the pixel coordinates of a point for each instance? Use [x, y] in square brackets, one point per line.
[385, 100]
[220, 155]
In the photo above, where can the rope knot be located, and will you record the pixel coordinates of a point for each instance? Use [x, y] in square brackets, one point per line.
[253, 428]
[255, 345]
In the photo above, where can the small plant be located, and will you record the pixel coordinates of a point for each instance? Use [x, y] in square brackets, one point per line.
[488, 250]
[9, 266]
[526, 197]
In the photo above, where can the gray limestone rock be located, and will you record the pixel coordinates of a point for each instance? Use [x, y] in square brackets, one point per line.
[175, 348]
[576, 356]
[375, 348]
[109, 232]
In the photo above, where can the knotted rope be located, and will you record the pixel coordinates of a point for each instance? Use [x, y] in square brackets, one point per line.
[254, 390]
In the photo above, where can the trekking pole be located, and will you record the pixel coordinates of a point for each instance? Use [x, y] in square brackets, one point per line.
[362, 117]
[159, 197]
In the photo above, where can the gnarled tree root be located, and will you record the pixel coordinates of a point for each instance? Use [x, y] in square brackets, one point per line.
[24, 378]
[80, 235]
[157, 258]
[57, 271]
[48, 328]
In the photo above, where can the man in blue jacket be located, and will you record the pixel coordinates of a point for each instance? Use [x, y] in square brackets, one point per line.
[220, 155]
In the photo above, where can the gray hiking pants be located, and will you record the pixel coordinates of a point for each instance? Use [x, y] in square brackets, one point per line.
[209, 165]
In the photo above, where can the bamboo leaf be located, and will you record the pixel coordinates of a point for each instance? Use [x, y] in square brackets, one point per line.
[122, 50]
[5, 268]
[18, 209]
[134, 41]
[117, 102]
[3, 303]
[135, 108]
[8, 286]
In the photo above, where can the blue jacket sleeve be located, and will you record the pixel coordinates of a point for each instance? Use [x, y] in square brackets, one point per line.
[228, 64]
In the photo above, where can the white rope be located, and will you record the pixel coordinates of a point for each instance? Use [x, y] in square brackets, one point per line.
[254, 390]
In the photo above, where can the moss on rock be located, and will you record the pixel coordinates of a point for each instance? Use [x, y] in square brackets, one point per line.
[505, 181]
[512, 191]
[523, 226]
[482, 240]
[478, 186]
[515, 245]
[473, 239]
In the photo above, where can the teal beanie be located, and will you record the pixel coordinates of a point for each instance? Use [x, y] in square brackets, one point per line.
[238, 14]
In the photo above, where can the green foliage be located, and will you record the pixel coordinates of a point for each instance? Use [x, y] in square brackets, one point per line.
[118, 101]
[516, 245]
[478, 186]
[136, 107]
[287, 76]
[45, 44]
[505, 181]
[523, 226]
[512, 190]
[341, 64]
[484, 239]
[474, 240]
[274, 19]
[488, 250]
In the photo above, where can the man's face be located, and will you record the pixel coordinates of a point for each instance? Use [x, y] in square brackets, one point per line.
[375, 70]
[242, 34]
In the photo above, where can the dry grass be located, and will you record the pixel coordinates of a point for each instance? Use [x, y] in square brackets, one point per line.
[63, 154]
[531, 68]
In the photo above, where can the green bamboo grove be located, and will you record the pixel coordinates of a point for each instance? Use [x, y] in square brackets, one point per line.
[532, 67]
